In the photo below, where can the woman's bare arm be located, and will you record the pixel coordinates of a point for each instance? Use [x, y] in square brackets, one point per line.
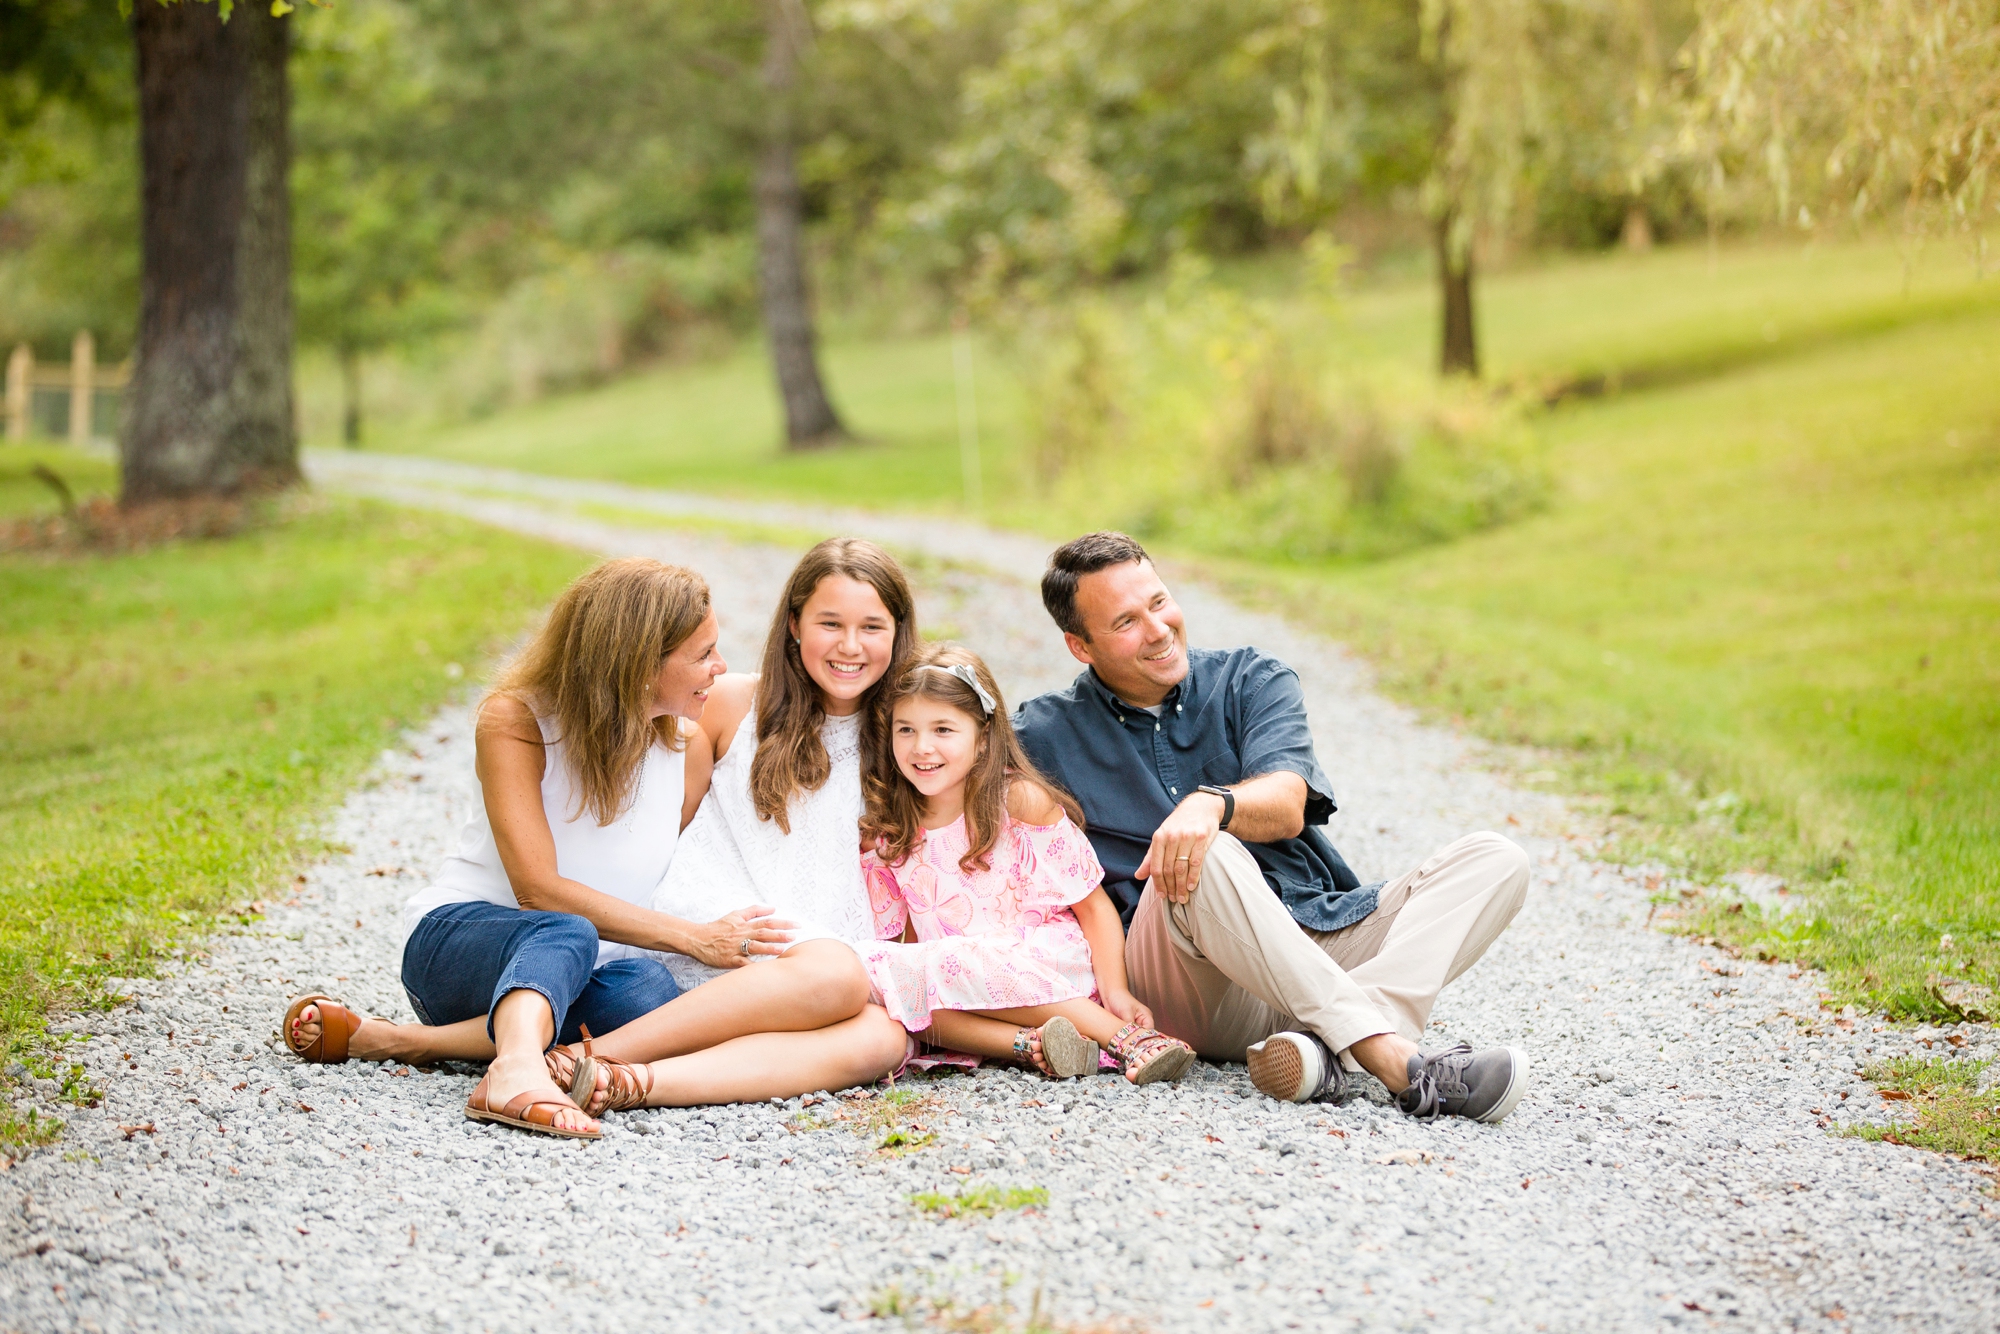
[510, 767]
[699, 762]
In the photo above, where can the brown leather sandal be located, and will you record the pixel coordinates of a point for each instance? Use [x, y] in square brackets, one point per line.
[575, 1073]
[531, 1110]
[337, 1026]
[626, 1085]
[1146, 1055]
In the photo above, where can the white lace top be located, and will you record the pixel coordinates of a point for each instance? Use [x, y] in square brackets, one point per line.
[728, 858]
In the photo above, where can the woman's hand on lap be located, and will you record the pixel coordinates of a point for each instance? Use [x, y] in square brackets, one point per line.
[719, 944]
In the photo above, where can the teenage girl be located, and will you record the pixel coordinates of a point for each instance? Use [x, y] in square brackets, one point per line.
[1009, 946]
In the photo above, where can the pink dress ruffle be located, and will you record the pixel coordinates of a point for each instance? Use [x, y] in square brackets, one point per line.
[999, 939]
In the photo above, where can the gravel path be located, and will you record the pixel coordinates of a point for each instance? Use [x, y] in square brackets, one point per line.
[1677, 1163]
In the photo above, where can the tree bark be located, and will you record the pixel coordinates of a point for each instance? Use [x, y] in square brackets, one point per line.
[209, 410]
[350, 407]
[810, 420]
[1458, 352]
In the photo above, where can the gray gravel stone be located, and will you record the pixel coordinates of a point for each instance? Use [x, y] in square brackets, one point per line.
[1678, 1163]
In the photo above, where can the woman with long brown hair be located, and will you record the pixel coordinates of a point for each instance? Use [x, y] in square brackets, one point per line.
[540, 926]
[778, 841]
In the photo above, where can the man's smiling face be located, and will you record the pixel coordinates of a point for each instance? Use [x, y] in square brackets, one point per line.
[1133, 632]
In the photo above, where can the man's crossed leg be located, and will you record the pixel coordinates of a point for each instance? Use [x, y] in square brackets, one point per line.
[1230, 973]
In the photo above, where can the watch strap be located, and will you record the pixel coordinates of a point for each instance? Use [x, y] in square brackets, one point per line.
[1228, 802]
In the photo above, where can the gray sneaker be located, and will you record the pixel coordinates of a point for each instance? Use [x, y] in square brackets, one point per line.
[1478, 1085]
[1296, 1067]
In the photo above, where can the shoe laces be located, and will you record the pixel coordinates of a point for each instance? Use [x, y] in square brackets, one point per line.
[1438, 1080]
[1333, 1076]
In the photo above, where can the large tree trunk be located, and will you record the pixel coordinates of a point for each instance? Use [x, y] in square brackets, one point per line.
[209, 410]
[1459, 348]
[781, 265]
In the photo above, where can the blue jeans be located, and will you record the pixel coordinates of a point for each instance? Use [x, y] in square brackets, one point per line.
[464, 957]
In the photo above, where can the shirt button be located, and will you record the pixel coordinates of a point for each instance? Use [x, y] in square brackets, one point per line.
[1156, 727]
[1173, 792]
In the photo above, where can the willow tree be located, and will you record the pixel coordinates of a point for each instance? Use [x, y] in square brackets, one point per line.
[209, 409]
[1851, 108]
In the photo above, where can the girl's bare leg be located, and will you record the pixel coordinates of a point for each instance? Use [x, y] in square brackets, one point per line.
[857, 1050]
[807, 988]
[416, 1044]
[991, 1032]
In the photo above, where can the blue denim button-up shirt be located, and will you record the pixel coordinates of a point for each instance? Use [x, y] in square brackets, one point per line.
[1239, 714]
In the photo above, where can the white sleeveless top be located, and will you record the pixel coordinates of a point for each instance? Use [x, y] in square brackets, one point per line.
[729, 858]
[626, 859]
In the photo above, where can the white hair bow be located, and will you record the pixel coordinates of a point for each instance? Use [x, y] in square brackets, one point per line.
[961, 672]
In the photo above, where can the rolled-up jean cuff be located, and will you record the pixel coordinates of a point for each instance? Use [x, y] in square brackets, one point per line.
[508, 987]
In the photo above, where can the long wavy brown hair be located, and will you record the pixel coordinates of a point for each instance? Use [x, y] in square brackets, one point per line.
[892, 820]
[790, 756]
[590, 671]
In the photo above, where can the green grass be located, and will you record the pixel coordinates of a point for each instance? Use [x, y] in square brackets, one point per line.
[1951, 1114]
[1765, 620]
[1673, 314]
[715, 427]
[22, 494]
[985, 1200]
[172, 721]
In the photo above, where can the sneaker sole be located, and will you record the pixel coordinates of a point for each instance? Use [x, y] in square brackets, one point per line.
[1517, 1088]
[1278, 1069]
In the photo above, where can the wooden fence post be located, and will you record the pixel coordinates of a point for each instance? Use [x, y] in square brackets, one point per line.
[20, 391]
[82, 386]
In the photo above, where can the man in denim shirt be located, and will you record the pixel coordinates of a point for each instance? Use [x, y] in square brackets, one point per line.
[1247, 935]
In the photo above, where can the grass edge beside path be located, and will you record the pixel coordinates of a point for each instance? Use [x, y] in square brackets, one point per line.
[180, 720]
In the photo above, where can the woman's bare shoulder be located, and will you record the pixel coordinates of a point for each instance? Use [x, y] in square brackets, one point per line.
[1031, 803]
[508, 715]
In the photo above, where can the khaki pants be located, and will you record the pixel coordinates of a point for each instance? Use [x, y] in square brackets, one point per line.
[1230, 967]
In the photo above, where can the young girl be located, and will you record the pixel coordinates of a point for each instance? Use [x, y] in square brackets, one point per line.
[977, 857]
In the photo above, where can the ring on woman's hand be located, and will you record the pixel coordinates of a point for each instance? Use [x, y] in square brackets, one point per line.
[1183, 858]
[746, 947]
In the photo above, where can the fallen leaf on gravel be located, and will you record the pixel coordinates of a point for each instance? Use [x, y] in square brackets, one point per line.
[1894, 1095]
[304, 1108]
[1527, 1182]
[1411, 1156]
[146, 1129]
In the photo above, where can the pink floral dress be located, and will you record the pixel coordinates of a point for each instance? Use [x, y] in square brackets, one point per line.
[998, 939]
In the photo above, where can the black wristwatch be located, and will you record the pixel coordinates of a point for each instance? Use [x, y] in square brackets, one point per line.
[1228, 802]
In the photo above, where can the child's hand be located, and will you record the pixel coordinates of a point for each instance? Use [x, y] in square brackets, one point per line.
[1126, 1006]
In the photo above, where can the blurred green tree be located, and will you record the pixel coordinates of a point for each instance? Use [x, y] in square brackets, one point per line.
[1830, 108]
[368, 252]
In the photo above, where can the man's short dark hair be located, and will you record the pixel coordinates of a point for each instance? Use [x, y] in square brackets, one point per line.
[1074, 559]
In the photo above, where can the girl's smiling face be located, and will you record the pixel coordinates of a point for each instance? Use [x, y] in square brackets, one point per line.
[681, 687]
[935, 744]
[846, 638]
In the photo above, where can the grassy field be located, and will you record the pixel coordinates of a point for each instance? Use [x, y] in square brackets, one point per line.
[1765, 619]
[1759, 620]
[172, 721]
[715, 427]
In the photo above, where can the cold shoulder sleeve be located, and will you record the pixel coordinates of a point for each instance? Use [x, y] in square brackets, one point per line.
[885, 897]
[1051, 865]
